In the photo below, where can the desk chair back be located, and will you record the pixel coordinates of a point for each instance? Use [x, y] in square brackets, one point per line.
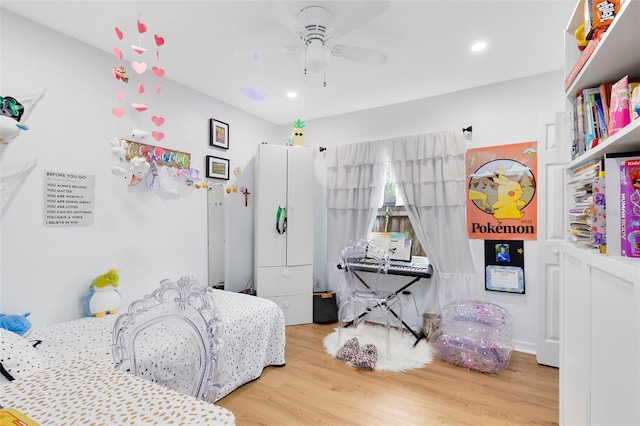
[368, 297]
[376, 259]
[173, 337]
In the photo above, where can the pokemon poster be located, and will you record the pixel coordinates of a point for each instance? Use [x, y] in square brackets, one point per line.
[502, 198]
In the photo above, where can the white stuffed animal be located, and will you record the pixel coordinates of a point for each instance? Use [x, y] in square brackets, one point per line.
[139, 136]
[140, 168]
[119, 148]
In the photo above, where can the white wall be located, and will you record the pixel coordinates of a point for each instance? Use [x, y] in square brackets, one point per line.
[500, 114]
[146, 236]
[45, 270]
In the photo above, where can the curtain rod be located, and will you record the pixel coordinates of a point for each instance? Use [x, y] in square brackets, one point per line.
[464, 130]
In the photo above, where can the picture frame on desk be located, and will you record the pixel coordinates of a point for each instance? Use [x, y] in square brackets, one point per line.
[218, 134]
[217, 167]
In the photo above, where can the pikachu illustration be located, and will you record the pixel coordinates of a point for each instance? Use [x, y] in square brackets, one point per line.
[508, 203]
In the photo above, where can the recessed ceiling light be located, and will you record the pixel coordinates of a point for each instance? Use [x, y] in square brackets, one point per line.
[479, 46]
[292, 95]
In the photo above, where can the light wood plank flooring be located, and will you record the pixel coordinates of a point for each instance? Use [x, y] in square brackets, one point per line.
[315, 389]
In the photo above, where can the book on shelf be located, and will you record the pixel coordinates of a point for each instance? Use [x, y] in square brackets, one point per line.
[582, 59]
[593, 131]
[634, 99]
[612, 163]
[578, 113]
[630, 207]
[580, 184]
[597, 213]
[619, 107]
[605, 97]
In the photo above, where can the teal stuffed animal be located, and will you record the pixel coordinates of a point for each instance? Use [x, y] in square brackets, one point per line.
[19, 324]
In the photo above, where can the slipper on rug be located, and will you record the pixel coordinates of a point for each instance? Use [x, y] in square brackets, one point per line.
[403, 355]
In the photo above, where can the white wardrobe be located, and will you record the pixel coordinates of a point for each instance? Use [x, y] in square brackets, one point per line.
[284, 255]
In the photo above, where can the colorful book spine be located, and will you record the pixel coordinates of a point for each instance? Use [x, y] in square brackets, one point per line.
[630, 207]
[598, 236]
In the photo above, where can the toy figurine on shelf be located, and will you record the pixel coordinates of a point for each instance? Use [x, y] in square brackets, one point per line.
[297, 137]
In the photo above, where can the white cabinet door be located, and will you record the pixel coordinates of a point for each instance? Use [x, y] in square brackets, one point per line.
[271, 193]
[300, 206]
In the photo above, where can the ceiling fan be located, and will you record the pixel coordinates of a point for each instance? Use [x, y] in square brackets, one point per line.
[318, 29]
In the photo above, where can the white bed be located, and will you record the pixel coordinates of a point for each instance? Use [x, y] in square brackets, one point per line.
[254, 337]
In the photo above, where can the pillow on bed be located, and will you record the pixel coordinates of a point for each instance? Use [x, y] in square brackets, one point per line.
[17, 357]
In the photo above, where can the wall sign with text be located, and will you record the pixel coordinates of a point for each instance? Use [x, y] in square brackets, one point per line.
[69, 199]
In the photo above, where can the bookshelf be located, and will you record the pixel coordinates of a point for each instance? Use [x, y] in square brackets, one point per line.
[600, 293]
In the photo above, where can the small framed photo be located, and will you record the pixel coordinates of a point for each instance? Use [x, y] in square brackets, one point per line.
[217, 168]
[218, 133]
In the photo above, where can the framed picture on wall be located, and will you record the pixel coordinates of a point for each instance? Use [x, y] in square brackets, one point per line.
[218, 133]
[504, 266]
[217, 167]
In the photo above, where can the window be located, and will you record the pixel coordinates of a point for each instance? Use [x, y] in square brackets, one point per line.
[394, 218]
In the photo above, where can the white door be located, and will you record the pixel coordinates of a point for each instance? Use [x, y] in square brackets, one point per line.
[300, 201]
[271, 195]
[553, 148]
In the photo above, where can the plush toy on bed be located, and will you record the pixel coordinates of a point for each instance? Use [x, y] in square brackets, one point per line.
[19, 324]
[102, 298]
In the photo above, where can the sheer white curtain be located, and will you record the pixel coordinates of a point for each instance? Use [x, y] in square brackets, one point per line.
[355, 190]
[429, 173]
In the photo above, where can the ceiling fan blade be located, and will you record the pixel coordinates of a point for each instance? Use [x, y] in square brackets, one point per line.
[263, 53]
[364, 12]
[286, 14]
[358, 54]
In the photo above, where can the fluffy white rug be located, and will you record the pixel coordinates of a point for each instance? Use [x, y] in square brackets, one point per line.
[403, 355]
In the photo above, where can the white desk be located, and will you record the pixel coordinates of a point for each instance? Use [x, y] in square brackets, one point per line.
[90, 392]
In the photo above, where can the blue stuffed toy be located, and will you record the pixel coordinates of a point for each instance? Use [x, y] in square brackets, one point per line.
[19, 324]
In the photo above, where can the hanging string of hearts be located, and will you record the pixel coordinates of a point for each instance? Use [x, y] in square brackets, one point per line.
[158, 120]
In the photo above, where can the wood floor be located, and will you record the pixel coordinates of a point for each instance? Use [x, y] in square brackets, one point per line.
[314, 389]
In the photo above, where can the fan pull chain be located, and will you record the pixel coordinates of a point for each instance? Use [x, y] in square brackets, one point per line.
[305, 59]
[325, 79]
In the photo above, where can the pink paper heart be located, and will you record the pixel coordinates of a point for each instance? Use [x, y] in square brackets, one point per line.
[158, 87]
[159, 72]
[158, 152]
[117, 52]
[158, 121]
[139, 107]
[118, 33]
[159, 40]
[142, 28]
[139, 50]
[118, 111]
[140, 88]
[120, 96]
[139, 67]
[157, 135]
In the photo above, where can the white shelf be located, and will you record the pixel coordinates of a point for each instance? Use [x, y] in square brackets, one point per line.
[625, 140]
[616, 55]
[600, 293]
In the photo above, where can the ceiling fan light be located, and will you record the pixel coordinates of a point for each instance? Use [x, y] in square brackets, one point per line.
[315, 57]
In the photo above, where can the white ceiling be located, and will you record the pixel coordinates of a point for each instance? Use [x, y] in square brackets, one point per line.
[428, 45]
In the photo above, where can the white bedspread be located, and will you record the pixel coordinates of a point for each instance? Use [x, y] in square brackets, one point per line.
[253, 333]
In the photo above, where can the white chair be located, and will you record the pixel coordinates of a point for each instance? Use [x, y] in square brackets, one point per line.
[173, 337]
[368, 297]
